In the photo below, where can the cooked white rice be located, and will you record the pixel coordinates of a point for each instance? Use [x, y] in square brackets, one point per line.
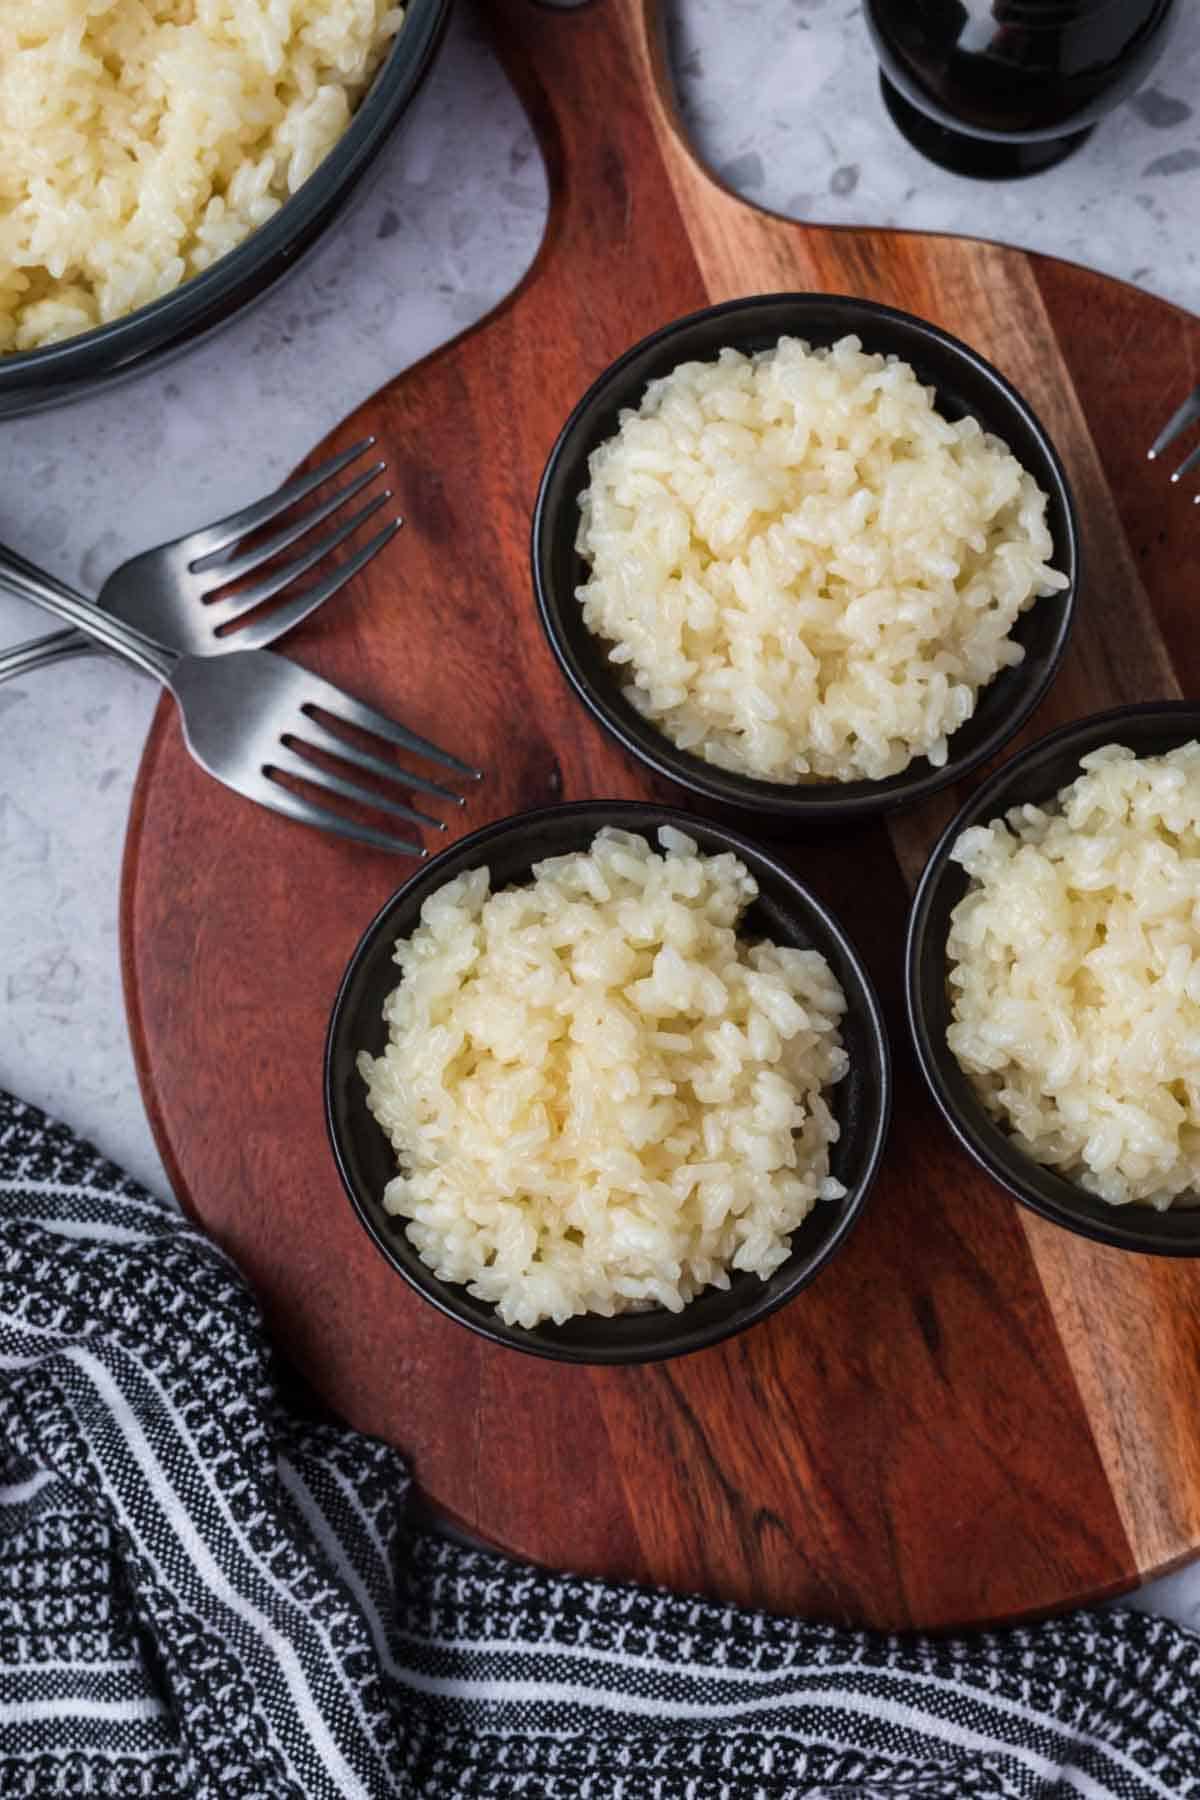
[1075, 975]
[142, 139]
[599, 1096]
[806, 570]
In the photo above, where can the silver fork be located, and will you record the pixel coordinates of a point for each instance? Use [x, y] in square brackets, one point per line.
[248, 719]
[165, 593]
[1184, 416]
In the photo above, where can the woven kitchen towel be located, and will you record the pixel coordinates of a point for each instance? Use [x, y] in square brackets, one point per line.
[204, 1593]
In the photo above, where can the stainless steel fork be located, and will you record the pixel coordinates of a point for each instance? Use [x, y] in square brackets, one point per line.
[252, 718]
[1184, 416]
[167, 593]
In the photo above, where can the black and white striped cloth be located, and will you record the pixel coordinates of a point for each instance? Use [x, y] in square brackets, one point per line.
[204, 1592]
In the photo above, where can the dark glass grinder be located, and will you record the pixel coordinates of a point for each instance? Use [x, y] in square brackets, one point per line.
[998, 88]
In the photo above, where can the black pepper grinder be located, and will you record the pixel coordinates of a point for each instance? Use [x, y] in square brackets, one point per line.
[997, 88]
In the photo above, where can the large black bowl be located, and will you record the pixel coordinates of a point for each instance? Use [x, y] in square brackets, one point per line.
[784, 912]
[1034, 777]
[128, 346]
[964, 383]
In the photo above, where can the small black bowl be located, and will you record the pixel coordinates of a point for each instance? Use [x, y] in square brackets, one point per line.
[33, 379]
[1032, 778]
[964, 383]
[784, 912]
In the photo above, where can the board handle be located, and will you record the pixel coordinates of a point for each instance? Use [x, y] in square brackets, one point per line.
[595, 82]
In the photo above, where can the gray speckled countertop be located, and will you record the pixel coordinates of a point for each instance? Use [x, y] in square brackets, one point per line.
[782, 100]
[817, 144]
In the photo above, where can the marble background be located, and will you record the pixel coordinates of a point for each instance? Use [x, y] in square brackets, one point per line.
[782, 99]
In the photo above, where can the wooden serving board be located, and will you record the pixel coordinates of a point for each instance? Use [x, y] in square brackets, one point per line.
[971, 1415]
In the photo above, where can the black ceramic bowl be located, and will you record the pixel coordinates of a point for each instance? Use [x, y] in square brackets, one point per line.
[964, 382]
[784, 911]
[1031, 778]
[128, 346]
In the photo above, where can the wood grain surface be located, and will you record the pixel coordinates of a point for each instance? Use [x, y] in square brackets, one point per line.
[971, 1415]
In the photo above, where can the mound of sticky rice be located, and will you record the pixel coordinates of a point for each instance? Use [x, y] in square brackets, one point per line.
[599, 1095]
[804, 570]
[1075, 975]
[140, 140]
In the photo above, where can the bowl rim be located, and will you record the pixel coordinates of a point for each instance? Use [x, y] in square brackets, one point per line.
[440, 1293]
[176, 315]
[782, 800]
[988, 1145]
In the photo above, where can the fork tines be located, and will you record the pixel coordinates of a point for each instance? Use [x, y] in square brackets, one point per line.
[1186, 415]
[219, 564]
[240, 524]
[321, 700]
[311, 761]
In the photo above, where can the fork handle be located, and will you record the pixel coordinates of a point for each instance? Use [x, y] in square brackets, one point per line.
[16, 571]
[32, 583]
[43, 652]
[21, 569]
